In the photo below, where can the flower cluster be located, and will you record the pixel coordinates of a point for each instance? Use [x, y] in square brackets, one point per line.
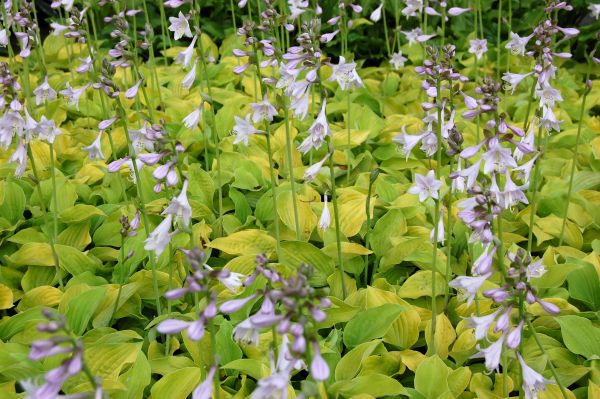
[62, 343]
[290, 306]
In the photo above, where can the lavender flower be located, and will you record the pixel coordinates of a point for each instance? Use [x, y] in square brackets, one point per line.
[426, 186]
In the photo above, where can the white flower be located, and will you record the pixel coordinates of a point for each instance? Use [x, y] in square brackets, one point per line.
[595, 10]
[180, 26]
[478, 47]
[189, 79]
[44, 92]
[243, 129]
[470, 285]
[548, 95]
[440, 233]
[482, 324]
[94, 150]
[204, 390]
[73, 95]
[548, 120]
[180, 206]
[398, 60]
[158, 240]
[533, 382]
[317, 132]
[513, 79]
[492, 353]
[185, 57]
[376, 14]
[325, 219]
[408, 141]
[413, 8]
[20, 158]
[455, 11]
[246, 332]
[3, 38]
[497, 158]
[11, 123]
[311, 173]
[263, 111]
[47, 130]
[426, 186]
[133, 90]
[517, 44]
[535, 270]
[192, 119]
[345, 74]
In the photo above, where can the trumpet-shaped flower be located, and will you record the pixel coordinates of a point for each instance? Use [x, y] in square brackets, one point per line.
[180, 207]
[426, 186]
[94, 150]
[180, 26]
[160, 237]
[533, 382]
[243, 129]
[317, 132]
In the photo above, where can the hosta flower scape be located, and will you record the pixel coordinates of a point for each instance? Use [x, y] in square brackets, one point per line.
[299, 199]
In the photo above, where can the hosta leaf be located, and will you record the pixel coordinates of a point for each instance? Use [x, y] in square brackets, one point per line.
[79, 213]
[371, 323]
[6, 297]
[348, 367]
[429, 371]
[245, 242]
[12, 201]
[294, 253]
[419, 285]
[580, 335]
[306, 217]
[376, 385]
[82, 307]
[444, 335]
[177, 385]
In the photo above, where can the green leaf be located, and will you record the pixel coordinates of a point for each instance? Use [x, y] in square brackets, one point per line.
[350, 364]
[177, 385]
[584, 286]
[82, 307]
[392, 225]
[245, 242]
[580, 336]
[13, 201]
[79, 213]
[294, 253]
[431, 378]
[370, 324]
[375, 385]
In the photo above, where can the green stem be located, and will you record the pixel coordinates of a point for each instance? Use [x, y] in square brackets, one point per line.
[531, 93]
[534, 188]
[140, 192]
[290, 161]
[436, 219]
[573, 165]
[385, 31]
[498, 40]
[449, 242]
[368, 277]
[552, 369]
[215, 362]
[54, 216]
[336, 215]
[121, 264]
[349, 150]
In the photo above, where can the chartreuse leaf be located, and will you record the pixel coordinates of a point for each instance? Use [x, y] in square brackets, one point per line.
[584, 285]
[40, 296]
[404, 331]
[245, 242]
[419, 284]
[6, 297]
[32, 254]
[177, 385]
[306, 217]
[431, 378]
[444, 335]
[352, 208]
[12, 202]
[294, 253]
[580, 335]
[376, 385]
[370, 324]
[136, 378]
[348, 367]
[79, 212]
[391, 225]
[15, 324]
[81, 308]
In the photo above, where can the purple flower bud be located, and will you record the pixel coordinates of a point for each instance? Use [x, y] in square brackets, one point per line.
[114, 166]
[318, 367]
[172, 326]
[196, 330]
[549, 307]
[513, 339]
[234, 305]
[299, 345]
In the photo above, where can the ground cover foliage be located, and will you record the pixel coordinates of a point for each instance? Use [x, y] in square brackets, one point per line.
[287, 199]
